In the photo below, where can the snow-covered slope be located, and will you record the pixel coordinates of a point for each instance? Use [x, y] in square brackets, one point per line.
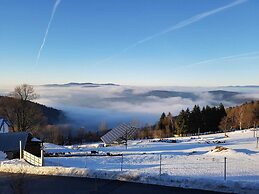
[192, 162]
[191, 156]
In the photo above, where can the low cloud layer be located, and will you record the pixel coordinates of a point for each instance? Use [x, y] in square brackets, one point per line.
[88, 105]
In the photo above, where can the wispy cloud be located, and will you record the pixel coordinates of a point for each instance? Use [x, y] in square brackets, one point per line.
[179, 25]
[47, 30]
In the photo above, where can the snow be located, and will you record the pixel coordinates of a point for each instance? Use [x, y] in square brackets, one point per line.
[192, 162]
[53, 148]
[34, 139]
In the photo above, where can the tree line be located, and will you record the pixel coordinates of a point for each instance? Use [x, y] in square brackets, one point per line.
[241, 117]
[205, 119]
[197, 120]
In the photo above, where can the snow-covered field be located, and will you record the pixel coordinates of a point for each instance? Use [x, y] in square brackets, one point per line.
[192, 162]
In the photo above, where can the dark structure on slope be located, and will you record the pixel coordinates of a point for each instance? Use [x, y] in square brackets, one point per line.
[10, 144]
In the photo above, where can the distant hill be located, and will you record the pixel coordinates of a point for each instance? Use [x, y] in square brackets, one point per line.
[217, 96]
[170, 94]
[87, 84]
[222, 95]
[52, 115]
[246, 86]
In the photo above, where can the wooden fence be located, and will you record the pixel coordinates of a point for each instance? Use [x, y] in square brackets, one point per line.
[32, 159]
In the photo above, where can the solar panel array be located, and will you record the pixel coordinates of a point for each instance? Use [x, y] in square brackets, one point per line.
[118, 134]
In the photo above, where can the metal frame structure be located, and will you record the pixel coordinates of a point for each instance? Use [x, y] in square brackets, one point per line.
[119, 134]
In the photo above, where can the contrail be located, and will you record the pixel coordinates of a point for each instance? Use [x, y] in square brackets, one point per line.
[179, 25]
[47, 30]
[250, 55]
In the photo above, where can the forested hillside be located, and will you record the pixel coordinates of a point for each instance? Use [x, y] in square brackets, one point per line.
[37, 114]
[205, 119]
[243, 116]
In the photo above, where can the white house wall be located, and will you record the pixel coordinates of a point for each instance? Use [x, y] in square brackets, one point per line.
[4, 129]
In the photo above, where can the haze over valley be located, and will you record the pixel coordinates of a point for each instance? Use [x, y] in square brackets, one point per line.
[88, 104]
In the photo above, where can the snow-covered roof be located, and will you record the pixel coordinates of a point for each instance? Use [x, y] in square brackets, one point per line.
[34, 139]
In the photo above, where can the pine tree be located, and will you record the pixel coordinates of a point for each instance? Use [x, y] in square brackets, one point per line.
[195, 119]
[182, 122]
[161, 121]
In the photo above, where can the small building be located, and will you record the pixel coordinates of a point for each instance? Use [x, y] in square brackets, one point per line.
[10, 144]
[4, 125]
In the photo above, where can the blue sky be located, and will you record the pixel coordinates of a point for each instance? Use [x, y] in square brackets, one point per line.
[131, 42]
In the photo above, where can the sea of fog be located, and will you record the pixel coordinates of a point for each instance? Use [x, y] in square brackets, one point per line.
[90, 105]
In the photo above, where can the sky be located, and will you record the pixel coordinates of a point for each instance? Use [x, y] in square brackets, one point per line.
[130, 42]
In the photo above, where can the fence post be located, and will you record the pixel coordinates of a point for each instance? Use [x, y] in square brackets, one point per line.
[85, 161]
[257, 139]
[225, 168]
[160, 164]
[42, 157]
[121, 161]
[21, 154]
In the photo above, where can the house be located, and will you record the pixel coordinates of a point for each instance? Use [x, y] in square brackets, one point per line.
[4, 125]
[10, 144]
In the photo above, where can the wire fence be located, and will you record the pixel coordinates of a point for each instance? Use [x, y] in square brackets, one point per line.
[160, 164]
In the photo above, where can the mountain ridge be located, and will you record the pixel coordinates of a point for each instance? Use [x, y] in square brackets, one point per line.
[82, 84]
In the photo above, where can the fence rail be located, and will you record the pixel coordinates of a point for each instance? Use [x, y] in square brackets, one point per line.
[32, 159]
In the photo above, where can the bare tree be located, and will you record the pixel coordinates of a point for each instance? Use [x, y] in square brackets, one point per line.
[135, 122]
[103, 127]
[225, 124]
[24, 93]
[81, 135]
[21, 113]
[241, 117]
